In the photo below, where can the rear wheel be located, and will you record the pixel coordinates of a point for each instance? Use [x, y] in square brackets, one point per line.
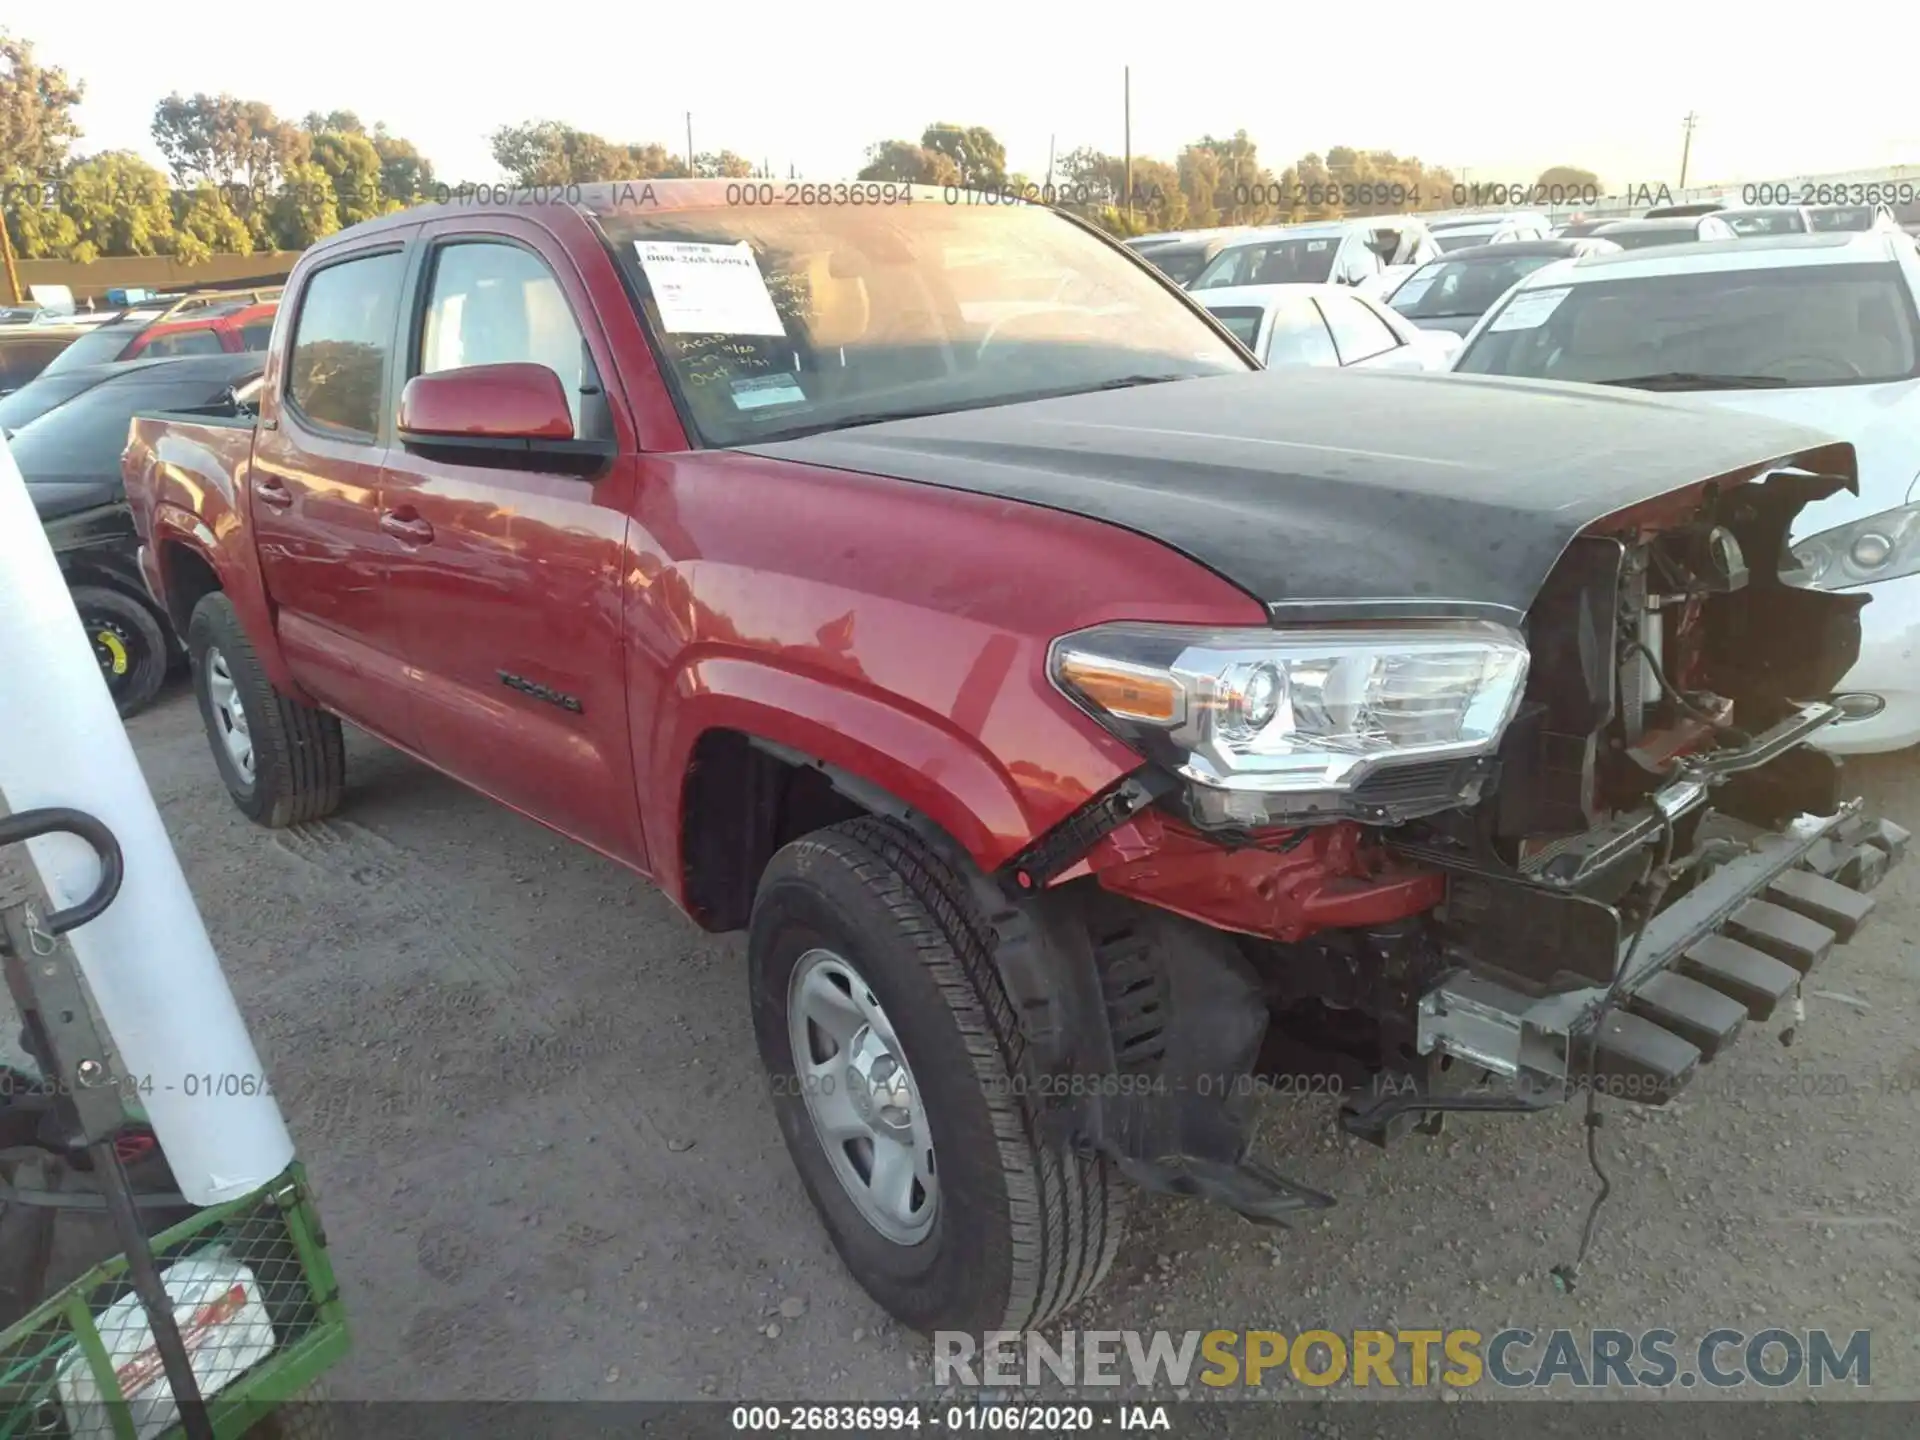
[127, 641]
[892, 1047]
[284, 762]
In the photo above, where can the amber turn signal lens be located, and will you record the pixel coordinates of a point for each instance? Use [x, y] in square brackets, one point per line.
[1123, 693]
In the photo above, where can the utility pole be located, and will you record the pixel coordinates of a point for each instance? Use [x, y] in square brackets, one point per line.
[1051, 139]
[690, 169]
[1127, 136]
[14, 296]
[1686, 145]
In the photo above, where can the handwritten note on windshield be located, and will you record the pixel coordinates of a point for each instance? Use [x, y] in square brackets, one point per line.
[708, 289]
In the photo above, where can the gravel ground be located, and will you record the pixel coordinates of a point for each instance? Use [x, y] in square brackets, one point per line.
[528, 1094]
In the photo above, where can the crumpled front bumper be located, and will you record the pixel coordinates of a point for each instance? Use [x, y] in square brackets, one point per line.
[1733, 949]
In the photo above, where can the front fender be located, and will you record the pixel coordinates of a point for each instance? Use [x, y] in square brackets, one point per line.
[932, 768]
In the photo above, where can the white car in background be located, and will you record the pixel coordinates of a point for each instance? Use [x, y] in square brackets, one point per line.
[1338, 252]
[1328, 325]
[1822, 329]
[1465, 230]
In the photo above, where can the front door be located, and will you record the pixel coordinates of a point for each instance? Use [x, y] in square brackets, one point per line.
[512, 583]
[314, 491]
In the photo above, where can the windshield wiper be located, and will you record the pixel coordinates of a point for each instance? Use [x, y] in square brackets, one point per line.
[1695, 380]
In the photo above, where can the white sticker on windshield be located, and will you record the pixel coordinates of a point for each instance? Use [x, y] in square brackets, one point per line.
[708, 289]
[1529, 309]
[1415, 287]
[1313, 245]
[758, 390]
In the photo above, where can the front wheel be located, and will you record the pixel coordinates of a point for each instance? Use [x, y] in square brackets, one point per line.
[127, 641]
[284, 762]
[891, 1047]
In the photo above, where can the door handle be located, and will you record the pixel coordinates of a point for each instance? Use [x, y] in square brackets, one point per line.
[273, 491]
[408, 527]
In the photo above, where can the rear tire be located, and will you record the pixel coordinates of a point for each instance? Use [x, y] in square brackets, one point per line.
[129, 643]
[1022, 1229]
[283, 762]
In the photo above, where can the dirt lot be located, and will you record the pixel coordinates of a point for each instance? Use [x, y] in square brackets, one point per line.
[528, 1093]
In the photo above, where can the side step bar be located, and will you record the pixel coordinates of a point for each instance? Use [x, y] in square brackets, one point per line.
[1730, 951]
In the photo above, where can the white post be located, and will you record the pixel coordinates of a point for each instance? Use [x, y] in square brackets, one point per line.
[147, 960]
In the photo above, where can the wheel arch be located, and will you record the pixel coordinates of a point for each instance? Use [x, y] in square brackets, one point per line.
[748, 756]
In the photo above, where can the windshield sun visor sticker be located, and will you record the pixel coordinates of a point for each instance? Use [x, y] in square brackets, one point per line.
[755, 391]
[704, 289]
[1529, 311]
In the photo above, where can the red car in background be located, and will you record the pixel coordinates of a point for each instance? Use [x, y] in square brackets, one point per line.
[194, 325]
[244, 329]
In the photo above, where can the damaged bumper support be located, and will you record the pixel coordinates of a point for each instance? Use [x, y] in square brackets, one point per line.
[1733, 949]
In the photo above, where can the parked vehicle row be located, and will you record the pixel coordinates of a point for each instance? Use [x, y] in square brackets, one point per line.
[1086, 725]
[204, 323]
[1821, 329]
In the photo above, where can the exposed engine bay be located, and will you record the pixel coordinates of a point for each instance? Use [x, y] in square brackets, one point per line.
[1649, 859]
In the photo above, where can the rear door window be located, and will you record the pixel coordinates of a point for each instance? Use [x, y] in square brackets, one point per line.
[1358, 333]
[1299, 335]
[181, 342]
[342, 341]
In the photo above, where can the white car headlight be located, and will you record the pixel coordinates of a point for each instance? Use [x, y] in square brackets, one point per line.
[1267, 724]
[1861, 552]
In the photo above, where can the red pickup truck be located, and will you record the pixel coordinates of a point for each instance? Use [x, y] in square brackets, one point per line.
[1092, 732]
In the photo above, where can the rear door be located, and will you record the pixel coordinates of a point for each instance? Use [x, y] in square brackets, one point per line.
[511, 583]
[314, 488]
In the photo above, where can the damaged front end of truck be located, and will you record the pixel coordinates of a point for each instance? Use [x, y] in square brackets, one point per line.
[1434, 858]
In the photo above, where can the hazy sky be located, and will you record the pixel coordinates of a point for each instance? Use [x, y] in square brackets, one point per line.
[1501, 88]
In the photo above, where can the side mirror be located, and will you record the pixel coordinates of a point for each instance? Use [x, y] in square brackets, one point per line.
[513, 415]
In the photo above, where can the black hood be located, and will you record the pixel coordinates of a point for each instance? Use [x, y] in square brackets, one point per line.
[1339, 494]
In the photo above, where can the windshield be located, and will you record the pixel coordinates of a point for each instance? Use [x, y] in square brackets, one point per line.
[1289, 260]
[96, 347]
[1842, 217]
[1447, 289]
[1658, 235]
[787, 319]
[1179, 263]
[1451, 240]
[1808, 325]
[1764, 222]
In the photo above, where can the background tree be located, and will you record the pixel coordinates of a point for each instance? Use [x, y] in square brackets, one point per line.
[405, 173]
[905, 163]
[979, 159]
[547, 152]
[723, 165]
[205, 225]
[1158, 201]
[37, 131]
[303, 210]
[1571, 177]
[353, 166]
[228, 141]
[119, 205]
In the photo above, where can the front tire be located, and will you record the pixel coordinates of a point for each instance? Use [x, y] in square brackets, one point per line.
[127, 641]
[284, 762]
[913, 1043]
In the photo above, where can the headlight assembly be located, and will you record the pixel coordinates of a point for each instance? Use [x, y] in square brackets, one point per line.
[1272, 724]
[1861, 552]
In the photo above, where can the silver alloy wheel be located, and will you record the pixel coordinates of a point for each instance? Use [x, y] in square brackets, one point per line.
[229, 715]
[861, 1096]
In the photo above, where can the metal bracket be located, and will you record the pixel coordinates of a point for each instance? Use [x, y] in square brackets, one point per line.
[44, 979]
